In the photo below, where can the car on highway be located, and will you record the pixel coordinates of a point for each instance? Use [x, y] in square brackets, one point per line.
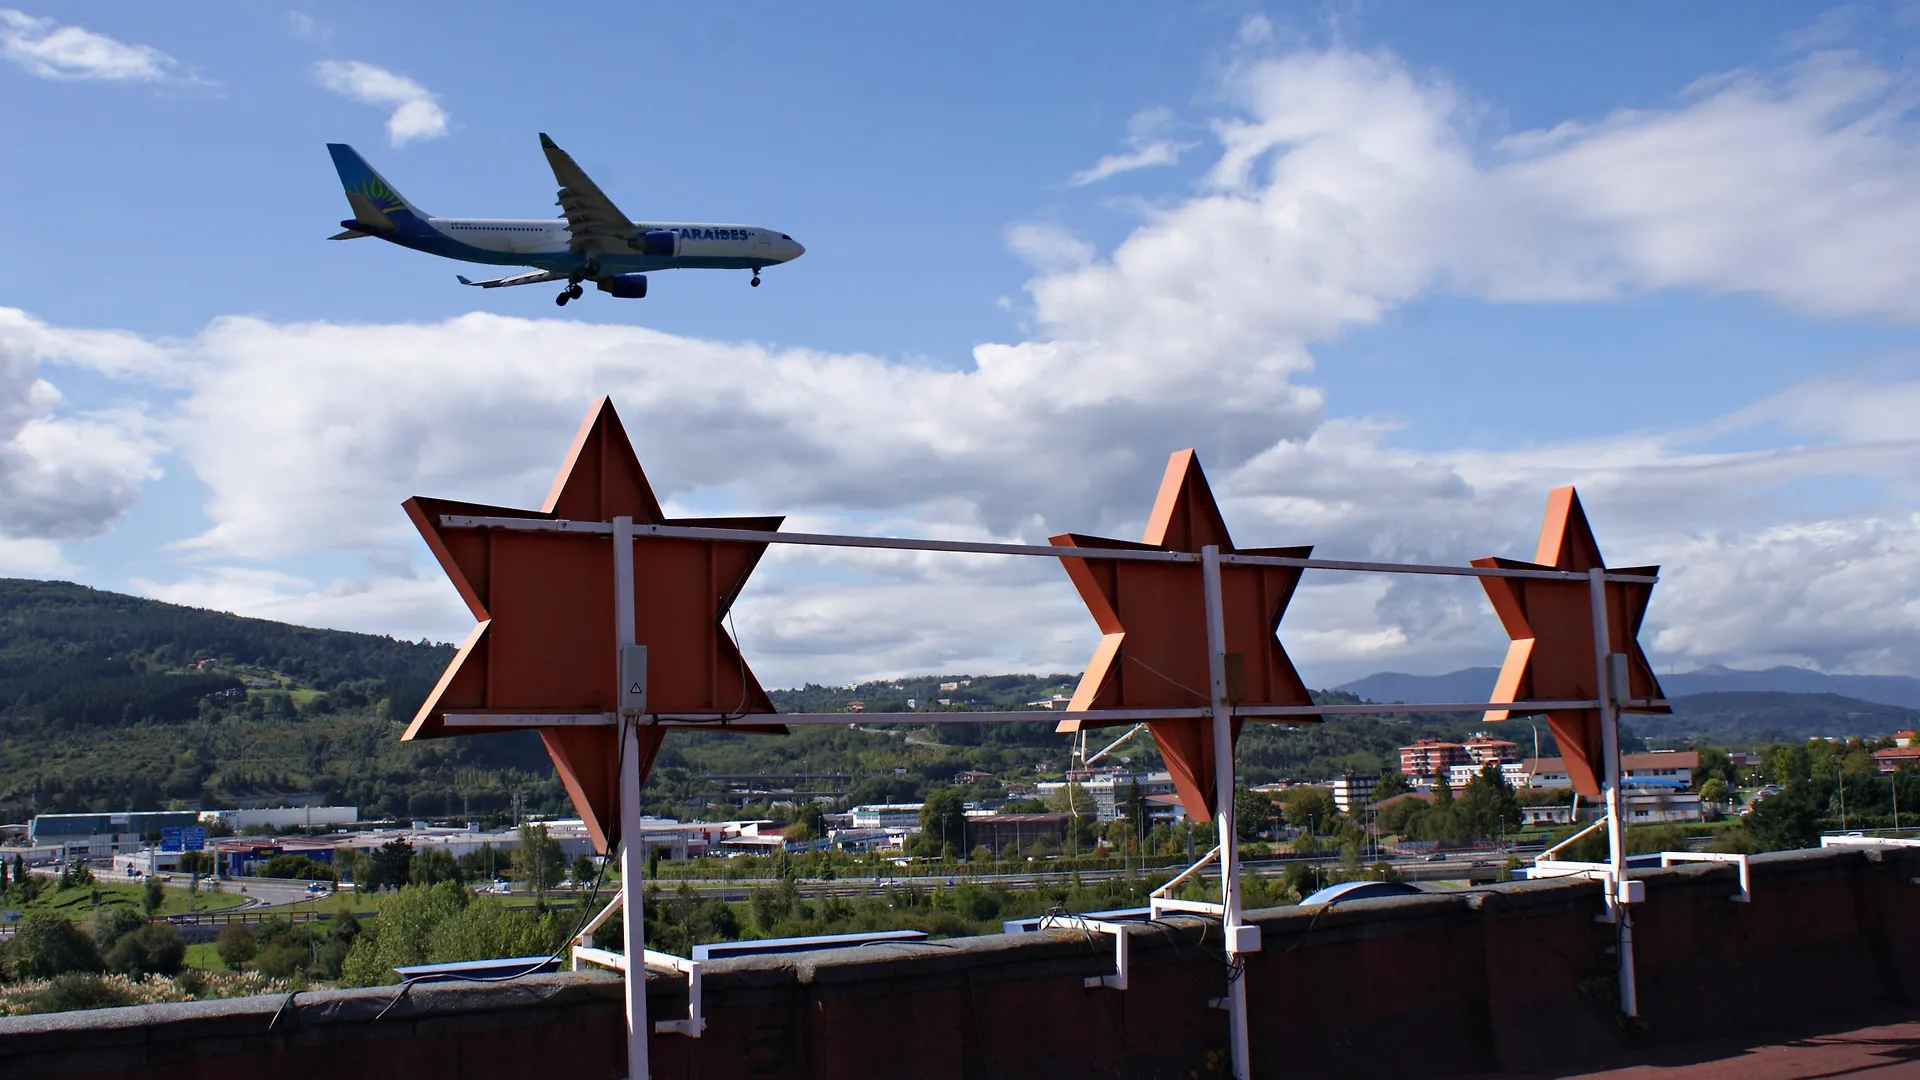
[1438, 856]
[316, 888]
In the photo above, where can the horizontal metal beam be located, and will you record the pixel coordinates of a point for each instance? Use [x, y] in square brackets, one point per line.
[1303, 714]
[517, 720]
[1424, 568]
[520, 524]
[1049, 551]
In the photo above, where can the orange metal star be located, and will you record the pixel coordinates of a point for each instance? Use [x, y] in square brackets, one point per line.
[1551, 624]
[545, 600]
[1153, 645]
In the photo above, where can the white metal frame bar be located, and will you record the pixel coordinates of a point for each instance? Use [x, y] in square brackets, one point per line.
[1240, 939]
[695, 1022]
[1745, 895]
[633, 927]
[1620, 892]
[899, 543]
[1205, 860]
[1120, 932]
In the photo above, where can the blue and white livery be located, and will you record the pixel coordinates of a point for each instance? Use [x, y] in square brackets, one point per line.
[592, 241]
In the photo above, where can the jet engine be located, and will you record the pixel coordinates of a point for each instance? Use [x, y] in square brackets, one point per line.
[624, 286]
[657, 243]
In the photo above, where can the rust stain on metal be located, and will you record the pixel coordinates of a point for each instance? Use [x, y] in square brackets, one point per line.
[1551, 624]
[545, 601]
[1152, 619]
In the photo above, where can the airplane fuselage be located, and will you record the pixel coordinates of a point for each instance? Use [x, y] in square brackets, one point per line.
[545, 243]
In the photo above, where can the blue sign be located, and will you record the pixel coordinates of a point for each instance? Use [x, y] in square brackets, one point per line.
[170, 840]
[196, 839]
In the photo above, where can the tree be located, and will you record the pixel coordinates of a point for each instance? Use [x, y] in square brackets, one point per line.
[236, 945]
[812, 822]
[151, 950]
[47, 944]
[1392, 782]
[1790, 819]
[943, 819]
[109, 924]
[296, 867]
[1714, 792]
[1133, 807]
[392, 864]
[538, 859]
[433, 865]
[153, 897]
[196, 862]
[1487, 804]
[582, 873]
[1252, 812]
[1308, 808]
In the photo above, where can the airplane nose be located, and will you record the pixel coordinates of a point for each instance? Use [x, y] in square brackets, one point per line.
[794, 249]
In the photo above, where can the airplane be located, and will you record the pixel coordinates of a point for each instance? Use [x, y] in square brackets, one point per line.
[594, 241]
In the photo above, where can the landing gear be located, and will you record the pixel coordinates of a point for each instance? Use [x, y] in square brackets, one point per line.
[571, 292]
[756, 280]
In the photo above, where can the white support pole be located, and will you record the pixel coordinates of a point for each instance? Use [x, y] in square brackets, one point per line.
[633, 856]
[1223, 814]
[1618, 888]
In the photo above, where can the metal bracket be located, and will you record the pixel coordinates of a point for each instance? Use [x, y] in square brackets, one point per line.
[694, 1023]
[1745, 895]
[1115, 981]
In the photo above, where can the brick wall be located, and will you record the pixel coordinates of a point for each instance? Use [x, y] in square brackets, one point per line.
[1510, 977]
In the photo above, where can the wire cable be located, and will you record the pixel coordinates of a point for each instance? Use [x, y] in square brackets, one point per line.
[586, 913]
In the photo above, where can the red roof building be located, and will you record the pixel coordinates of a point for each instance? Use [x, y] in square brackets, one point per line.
[1431, 757]
[1483, 750]
[1891, 760]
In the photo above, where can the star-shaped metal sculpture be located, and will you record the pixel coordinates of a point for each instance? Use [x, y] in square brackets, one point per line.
[1153, 645]
[545, 600]
[1551, 624]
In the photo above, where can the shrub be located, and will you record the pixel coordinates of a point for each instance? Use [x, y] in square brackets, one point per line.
[47, 945]
[279, 960]
[150, 950]
[235, 945]
[111, 923]
[77, 990]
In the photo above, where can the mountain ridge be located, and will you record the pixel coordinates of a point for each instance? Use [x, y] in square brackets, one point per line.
[1476, 683]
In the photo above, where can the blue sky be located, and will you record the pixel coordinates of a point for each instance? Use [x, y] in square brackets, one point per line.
[1395, 268]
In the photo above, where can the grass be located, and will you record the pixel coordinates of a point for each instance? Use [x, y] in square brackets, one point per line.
[204, 957]
[77, 902]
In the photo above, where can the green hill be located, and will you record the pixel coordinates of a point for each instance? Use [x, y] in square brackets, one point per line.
[118, 702]
[115, 702]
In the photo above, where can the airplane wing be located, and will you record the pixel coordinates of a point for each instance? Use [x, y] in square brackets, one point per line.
[596, 224]
[531, 277]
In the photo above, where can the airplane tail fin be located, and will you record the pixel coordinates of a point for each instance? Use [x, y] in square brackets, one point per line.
[374, 201]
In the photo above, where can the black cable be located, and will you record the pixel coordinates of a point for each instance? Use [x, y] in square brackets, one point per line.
[620, 762]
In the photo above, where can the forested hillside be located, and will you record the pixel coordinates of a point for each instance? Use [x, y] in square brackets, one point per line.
[117, 702]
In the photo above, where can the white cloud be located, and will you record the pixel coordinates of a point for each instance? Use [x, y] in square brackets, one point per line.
[1148, 145]
[1345, 185]
[304, 25]
[1048, 247]
[405, 607]
[64, 476]
[416, 115]
[49, 50]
